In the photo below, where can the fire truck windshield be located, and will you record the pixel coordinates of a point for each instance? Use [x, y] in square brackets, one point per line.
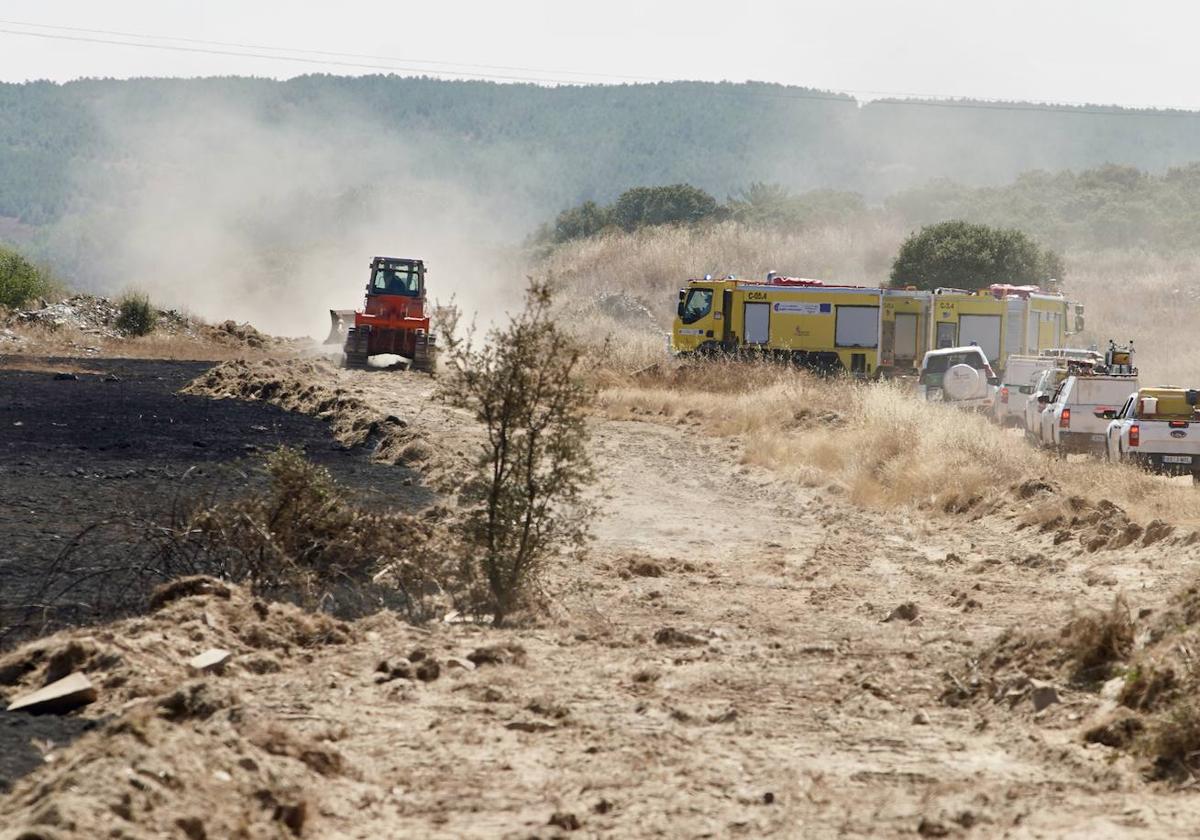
[699, 302]
[397, 280]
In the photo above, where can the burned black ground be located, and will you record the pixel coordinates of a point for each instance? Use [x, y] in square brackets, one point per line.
[118, 444]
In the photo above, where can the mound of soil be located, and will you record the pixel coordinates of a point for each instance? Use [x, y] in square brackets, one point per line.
[1097, 525]
[316, 388]
[93, 315]
[1135, 672]
[146, 655]
[171, 750]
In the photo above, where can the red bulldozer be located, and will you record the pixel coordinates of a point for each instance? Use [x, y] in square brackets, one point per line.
[394, 319]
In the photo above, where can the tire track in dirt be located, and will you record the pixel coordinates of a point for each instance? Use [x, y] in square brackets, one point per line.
[818, 576]
[817, 696]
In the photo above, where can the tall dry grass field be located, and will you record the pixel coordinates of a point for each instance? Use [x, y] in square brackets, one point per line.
[1152, 299]
[874, 442]
[653, 264]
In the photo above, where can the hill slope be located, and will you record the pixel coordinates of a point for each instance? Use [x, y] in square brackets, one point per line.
[554, 146]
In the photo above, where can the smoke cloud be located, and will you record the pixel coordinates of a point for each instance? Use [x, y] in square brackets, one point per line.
[271, 216]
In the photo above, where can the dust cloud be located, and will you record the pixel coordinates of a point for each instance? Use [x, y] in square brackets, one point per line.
[271, 215]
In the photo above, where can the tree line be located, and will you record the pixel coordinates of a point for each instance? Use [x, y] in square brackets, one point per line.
[555, 147]
[1105, 207]
[941, 254]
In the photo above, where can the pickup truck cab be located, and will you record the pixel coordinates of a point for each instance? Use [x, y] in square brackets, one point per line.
[1067, 361]
[1016, 384]
[960, 376]
[1158, 429]
[1046, 385]
[1074, 418]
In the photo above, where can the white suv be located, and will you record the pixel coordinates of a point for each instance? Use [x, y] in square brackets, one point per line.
[960, 376]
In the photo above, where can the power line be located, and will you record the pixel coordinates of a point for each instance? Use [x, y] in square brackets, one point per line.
[318, 61]
[366, 56]
[414, 66]
[1035, 104]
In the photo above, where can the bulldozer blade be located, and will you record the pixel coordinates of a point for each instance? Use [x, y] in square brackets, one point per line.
[340, 320]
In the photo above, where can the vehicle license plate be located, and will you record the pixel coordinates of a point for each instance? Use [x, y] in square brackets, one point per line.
[1177, 459]
[1097, 438]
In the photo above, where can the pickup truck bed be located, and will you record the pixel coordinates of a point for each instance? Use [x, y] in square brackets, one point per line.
[1167, 442]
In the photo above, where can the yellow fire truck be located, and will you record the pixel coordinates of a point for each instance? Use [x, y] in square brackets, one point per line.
[862, 330]
[904, 337]
[1003, 320]
[806, 322]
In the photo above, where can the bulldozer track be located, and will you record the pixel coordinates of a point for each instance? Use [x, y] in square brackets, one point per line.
[425, 353]
[356, 348]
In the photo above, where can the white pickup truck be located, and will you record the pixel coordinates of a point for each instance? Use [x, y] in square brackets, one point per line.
[1067, 361]
[1073, 421]
[1158, 429]
[1045, 385]
[1016, 384]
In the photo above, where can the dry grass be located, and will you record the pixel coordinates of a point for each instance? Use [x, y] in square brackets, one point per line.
[652, 264]
[875, 441]
[889, 449]
[305, 540]
[1150, 299]
[612, 346]
[1097, 639]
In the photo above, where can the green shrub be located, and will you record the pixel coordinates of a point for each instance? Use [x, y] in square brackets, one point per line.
[634, 209]
[136, 316]
[675, 204]
[20, 280]
[958, 254]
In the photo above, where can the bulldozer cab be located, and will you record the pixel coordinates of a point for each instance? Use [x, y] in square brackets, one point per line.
[390, 276]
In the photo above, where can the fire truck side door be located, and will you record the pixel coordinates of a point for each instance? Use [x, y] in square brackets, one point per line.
[758, 323]
[947, 335]
[726, 314]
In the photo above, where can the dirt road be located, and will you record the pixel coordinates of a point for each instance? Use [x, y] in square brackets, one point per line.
[739, 656]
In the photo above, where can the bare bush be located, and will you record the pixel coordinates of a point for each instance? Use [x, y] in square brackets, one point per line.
[523, 385]
[305, 541]
[1095, 640]
[1173, 742]
[301, 540]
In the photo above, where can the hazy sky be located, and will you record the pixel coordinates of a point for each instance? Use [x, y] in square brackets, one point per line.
[1106, 51]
